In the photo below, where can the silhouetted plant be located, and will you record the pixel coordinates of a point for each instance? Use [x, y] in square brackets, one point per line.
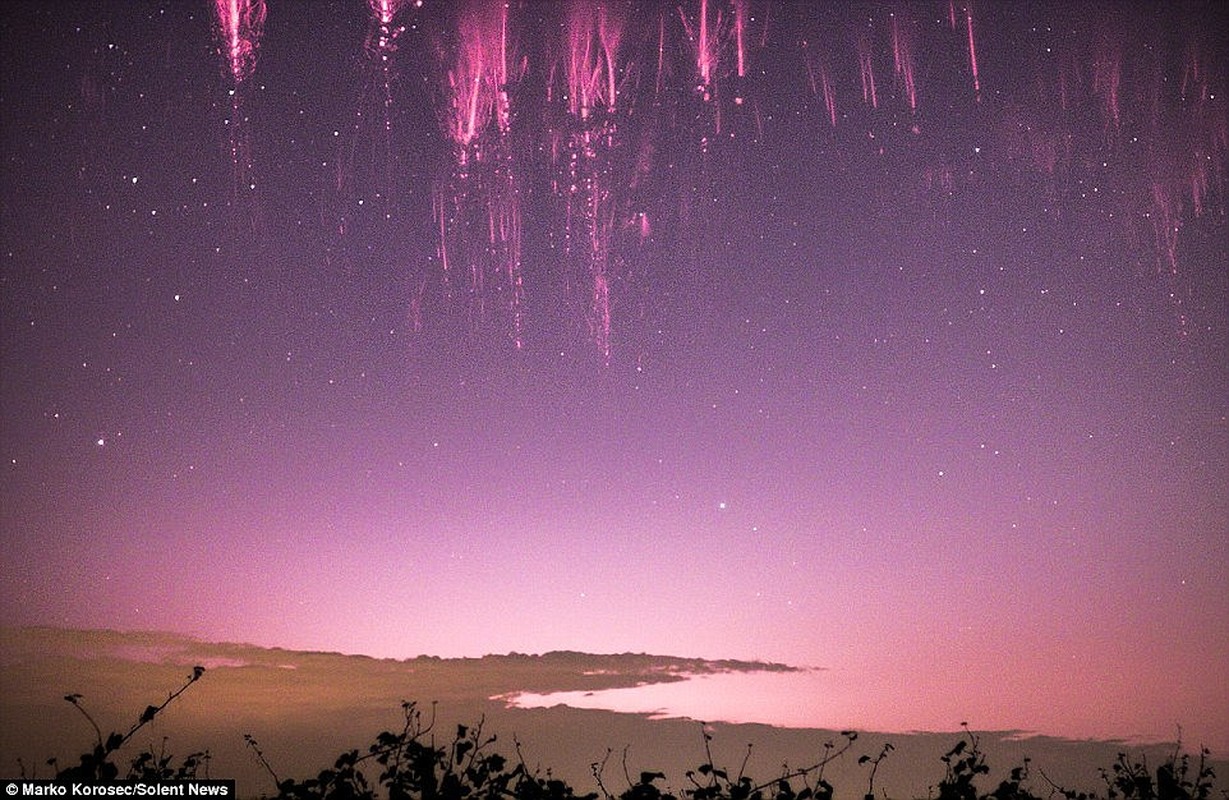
[964, 762]
[409, 765]
[874, 762]
[148, 766]
[718, 785]
[96, 764]
[1013, 788]
[412, 767]
[1175, 779]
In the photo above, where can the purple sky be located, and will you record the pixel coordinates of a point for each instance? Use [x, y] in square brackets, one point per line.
[935, 396]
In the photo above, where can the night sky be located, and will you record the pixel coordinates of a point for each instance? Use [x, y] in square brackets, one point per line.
[887, 338]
